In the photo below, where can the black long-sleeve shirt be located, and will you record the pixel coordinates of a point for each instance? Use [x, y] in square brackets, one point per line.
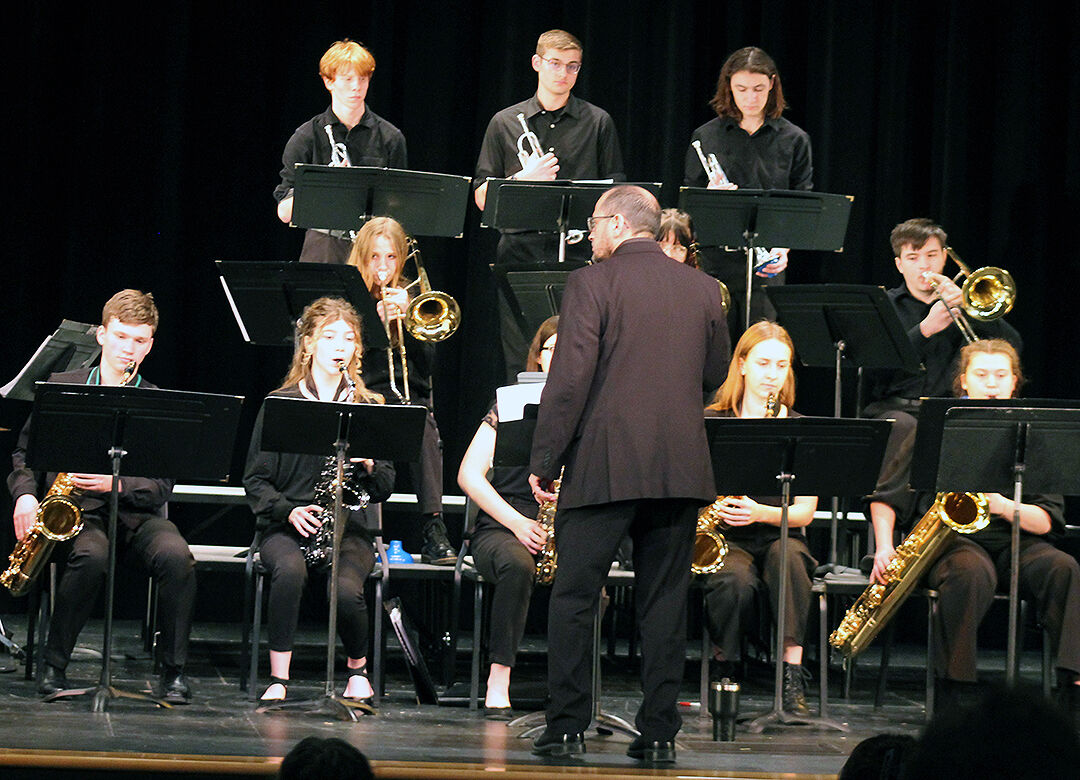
[939, 353]
[140, 498]
[776, 157]
[276, 482]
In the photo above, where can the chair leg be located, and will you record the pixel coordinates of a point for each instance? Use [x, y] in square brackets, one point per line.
[1047, 663]
[883, 669]
[823, 655]
[33, 604]
[378, 684]
[931, 610]
[474, 664]
[706, 651]
[256, 639]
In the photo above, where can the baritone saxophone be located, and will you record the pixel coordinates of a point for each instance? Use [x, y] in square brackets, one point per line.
[548, 560]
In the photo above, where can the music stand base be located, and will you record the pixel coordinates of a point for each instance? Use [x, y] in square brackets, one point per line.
[332, 705]
[101, 695]
[784, 718]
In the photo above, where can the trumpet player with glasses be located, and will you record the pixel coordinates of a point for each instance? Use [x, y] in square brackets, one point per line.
[380, 251]
[552, 135]
[928, 303]
[291, 496]
[346, 133]
[760, 383]
[129, 322]
[507, 537]
[749, 144]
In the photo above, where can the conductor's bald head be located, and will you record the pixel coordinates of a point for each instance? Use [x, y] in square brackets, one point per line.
[623, 212]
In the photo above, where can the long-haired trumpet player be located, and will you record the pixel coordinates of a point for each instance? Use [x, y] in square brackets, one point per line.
[970, 570]
[507, 536]
[128, 323]
[760, 383]
[380, 251]
[283, 492]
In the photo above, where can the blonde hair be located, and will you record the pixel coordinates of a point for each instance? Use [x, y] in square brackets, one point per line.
[560, 40]
[392, 230]
[346, 54]
[317, 315]
[131, 307]
[730, 394]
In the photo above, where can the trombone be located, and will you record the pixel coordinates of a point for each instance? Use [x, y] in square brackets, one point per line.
[431, 316]
[989, 293]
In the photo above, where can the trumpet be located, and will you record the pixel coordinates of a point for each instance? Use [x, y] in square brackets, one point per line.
[527, 137]
[989, 293]
[711, 165]
[339, 153]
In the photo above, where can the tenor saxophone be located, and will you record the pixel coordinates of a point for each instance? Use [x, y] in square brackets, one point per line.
[548, 559]
[710, 546]
[59, 518]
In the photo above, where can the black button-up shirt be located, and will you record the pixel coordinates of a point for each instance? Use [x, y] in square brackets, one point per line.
[581, 135]
[776, 157]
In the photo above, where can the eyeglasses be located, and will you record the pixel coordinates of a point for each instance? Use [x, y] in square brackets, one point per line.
[591, 221]
[572, 68]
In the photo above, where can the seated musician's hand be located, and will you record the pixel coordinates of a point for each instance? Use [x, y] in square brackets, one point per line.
[738, 510]
[542, 168]
[882, 557]
[393, 304]
[530, 533]
[305, 519]
[93, 483]
[715, 184]
[936, 320]
[25, 514]
[999, 506]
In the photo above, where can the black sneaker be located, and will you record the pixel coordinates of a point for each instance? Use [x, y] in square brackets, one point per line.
[437, 549]
[174, 687]
[795, 689]
[53, 680]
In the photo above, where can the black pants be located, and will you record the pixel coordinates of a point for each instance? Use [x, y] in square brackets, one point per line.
[427, 473]
[586, 540]
[966, 579]
[160, 548]
[729, 592]
[893, 480]
[281, 555]
[509, 568]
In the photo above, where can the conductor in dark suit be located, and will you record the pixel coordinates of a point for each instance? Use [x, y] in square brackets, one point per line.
[640, 337]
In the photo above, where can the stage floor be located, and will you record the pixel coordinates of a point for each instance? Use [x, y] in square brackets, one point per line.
[409, 740]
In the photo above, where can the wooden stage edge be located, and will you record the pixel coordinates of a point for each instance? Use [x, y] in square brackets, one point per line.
[252, 766]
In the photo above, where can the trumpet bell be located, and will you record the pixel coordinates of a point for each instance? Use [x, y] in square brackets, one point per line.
[432, 316]
[989, 293]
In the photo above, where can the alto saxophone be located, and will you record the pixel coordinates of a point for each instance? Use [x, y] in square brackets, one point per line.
[964, 513]
[548, 559]
[710, 546]
[59, 518]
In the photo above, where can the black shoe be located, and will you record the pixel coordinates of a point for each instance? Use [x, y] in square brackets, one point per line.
[550, 744]
[437, 549]
[652, 751]
[53, 680]
[795, 689]
[174, 687]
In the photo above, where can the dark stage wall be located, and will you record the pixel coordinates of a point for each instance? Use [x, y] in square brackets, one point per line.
[145, 146]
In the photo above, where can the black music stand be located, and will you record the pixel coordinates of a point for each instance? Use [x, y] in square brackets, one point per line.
[321, 428]
[72, 345]
[829, 456]
[1022, 444]
[534, 291]
[267, 298]
[90, 428]
[344, 198]
[513, 447]
[561, 207]
[830, 323]
[766, 218]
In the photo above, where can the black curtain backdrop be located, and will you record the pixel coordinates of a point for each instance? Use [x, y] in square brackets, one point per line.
[145, 145]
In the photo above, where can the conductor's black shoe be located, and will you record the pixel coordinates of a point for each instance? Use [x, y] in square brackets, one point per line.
[652, 751]
[437, 549]
[53, 680]
[795, 689]
[174, 687]
[555, 745]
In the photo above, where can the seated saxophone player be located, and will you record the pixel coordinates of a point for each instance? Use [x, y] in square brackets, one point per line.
[919, 249]
[507, 537]
[128, 323]
[975, 566]
[760, 383]
[380, 251]
[291, 506]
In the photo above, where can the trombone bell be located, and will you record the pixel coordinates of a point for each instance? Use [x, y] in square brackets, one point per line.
[989, 293]
[432, 316]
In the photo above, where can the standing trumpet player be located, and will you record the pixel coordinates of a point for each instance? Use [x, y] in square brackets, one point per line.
[128, 323]
[760, 373]
[566, 138]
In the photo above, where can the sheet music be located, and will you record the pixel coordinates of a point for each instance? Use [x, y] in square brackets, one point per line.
[512, 399]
